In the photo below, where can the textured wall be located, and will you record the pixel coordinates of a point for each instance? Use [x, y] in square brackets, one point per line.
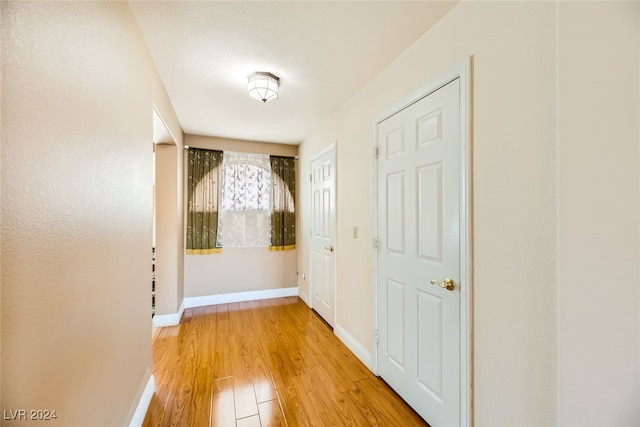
[77, 91]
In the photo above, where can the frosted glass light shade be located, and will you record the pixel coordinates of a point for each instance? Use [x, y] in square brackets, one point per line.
[263, 86]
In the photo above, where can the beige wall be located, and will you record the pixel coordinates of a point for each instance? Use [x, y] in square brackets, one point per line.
[214, 143]
[598, 214]
[514, 247]
[78, 86]
[239, 269]
[169, 229]
[180, 223]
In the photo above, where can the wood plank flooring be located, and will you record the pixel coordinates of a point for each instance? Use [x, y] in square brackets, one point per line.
[265, 363]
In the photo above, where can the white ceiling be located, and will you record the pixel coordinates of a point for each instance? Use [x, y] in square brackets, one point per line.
[323, 52]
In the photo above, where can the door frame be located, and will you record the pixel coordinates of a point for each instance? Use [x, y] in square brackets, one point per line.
[463, 72]
[331, 148]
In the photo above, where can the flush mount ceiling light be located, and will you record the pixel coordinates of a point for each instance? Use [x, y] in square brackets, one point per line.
[263, 86]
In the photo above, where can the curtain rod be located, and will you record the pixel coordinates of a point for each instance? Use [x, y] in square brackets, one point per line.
[186, 147]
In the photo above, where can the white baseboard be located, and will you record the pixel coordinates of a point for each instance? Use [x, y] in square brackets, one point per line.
[143, 403]
[353, 345]
[191, 302]
[162, 320]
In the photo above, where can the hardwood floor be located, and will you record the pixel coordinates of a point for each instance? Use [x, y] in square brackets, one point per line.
[265, 363]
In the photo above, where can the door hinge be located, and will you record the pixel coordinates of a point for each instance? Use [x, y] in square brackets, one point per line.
[376, 152]
[376, 336]
[310, 177]
[376, 243]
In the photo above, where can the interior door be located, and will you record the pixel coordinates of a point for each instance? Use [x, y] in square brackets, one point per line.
[323, 232]
[419, 254]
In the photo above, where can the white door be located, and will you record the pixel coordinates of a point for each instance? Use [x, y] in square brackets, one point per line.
[323, 233]
[419, 242]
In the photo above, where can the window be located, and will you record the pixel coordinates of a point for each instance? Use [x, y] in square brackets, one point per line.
[239, 200]
[245, 187]
[245, 210]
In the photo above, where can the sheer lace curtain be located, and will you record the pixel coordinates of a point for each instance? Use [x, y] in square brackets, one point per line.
[245, 207]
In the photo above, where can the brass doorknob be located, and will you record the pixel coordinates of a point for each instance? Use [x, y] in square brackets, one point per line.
[328, 248]
[448, 284]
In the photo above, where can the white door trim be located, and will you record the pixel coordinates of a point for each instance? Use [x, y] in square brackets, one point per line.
[330, 148]
[461, 71]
